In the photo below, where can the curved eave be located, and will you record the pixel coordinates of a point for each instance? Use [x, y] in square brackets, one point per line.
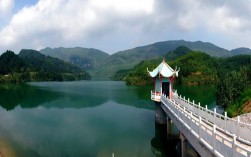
[163, 69]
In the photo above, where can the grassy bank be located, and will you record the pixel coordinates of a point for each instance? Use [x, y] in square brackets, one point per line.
[241, 105]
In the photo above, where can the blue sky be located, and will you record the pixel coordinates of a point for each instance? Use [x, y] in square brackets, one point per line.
[115, 25]
[19, 4]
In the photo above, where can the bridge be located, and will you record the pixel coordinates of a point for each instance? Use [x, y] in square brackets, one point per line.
[210, 133]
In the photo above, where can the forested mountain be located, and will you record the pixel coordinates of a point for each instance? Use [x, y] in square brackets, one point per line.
[196, 67]
[39, 62]
[10, 63]
[30, 65]
[102, 65]
[241, 50]
[129, 58]
[85, 58]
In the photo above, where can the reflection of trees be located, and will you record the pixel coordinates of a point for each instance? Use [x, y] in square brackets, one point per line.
[137, 96]
[163, 146]
[27, 96]
[203, 94]
[24, 95]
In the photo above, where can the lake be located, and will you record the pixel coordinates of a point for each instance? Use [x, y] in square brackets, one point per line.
[85, 119]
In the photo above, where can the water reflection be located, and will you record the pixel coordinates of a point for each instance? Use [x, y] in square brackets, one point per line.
[61, 95]
[12, 95]
[203, 94]
[164, 145]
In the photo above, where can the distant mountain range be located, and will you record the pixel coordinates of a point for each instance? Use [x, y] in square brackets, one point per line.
[103, 65]
[85, 58]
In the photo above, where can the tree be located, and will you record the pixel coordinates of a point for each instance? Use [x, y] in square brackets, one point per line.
[230, 87]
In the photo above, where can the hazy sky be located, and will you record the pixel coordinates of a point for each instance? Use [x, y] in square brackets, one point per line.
[114, 25]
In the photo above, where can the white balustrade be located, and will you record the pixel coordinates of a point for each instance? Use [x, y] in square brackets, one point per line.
[222, 135]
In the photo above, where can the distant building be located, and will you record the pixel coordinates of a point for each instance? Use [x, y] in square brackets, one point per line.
[163, 76]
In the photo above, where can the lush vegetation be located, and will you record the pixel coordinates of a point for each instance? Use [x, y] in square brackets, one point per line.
[234, 86]
[30, 65]
[197, 68]
[129, 58]
[102, 65]
[232, 76]
[139, 75]
[86, 58]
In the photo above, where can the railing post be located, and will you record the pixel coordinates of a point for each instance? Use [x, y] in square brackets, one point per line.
[191, 121]
[234, 145]
[188, 101]
[178, 110]
[199, 110]
[214, 137]
[225, 118]
[193, 104]
[199, 133]
[238, 126]
[214, 114]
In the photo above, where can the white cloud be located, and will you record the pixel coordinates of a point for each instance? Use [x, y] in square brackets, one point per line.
[6, 7]
[223, 20]
[114, 25]
[55, 22]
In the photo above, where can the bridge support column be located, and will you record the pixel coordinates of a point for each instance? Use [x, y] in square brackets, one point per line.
[169, 126]
[183, 145]
[160, 115]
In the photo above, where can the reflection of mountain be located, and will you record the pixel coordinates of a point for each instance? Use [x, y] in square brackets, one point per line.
[134, 96]
[203, 94]
[91, 93]
[12, 95]
[27, 96]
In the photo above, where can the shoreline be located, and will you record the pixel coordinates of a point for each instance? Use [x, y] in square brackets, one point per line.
[5, 148]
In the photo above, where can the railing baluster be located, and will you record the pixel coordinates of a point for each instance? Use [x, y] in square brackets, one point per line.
[180, 107]
[234, 145]
[238, 126]
[214, 137]
[199, 128]
[214, 114]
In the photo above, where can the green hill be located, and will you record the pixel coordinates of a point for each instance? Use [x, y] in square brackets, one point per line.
[30, 65]
[85, 58]
[129, 58]
[242, 50]
[102, 65]
[196, 68]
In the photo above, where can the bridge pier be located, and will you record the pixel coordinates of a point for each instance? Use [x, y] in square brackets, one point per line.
[160, 115]
[199, 147]
[183, 141]
[163, 144]
[169, 126]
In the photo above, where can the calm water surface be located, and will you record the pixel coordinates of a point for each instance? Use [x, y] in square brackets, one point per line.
[80, 119]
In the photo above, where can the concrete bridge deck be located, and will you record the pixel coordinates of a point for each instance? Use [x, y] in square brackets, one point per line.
[210, 133]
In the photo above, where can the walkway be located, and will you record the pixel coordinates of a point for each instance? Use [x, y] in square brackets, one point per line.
[210, 133]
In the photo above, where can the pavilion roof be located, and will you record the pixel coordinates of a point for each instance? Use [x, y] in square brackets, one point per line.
[164, 69]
